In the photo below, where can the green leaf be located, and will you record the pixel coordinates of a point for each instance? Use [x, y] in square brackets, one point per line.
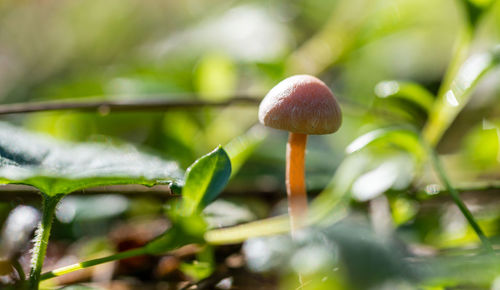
[407, 101]
[409, 91]
[197, 270]
[205, 179]
[215, 76]
[226, 212]
[475, 9]
[185, 230]
[394, 154]
[392, 171]
[455, 95]
[403, 138]
[462, 268]
[56, 167]
[202, 267]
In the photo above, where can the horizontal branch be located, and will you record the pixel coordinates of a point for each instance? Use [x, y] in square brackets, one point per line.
[151, 103]
[105, 106]
[24, 192]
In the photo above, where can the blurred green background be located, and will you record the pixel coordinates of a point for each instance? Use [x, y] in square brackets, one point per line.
[390, 63]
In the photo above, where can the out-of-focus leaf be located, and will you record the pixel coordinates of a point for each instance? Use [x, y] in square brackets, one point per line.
[363, 253]
[61, 168]
[403, 210]
[337, 37]
[392, 172]
[229, 123]
[17, 230]
[215, 77]
[331, 204]
[474, 9]
[454, 97]
[197, 270]
[91, 208]
[406, 100]
[460, 270]
[179, 131]
[482, 145]
[231, 211]
[393, 158]
[347, 245]
[403, 138]
[185, 230]
[241, 147]
[408, 91]
[204, 180]
[268, 253]
[202, 267]
[228, 33]
[68, 126]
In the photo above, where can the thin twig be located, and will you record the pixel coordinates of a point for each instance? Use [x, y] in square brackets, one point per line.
[24, 192]
[151, 103]
[105, 106]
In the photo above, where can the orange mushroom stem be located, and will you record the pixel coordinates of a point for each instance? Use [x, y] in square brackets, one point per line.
[295, 179]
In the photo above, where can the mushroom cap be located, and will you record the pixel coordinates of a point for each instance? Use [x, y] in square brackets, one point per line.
[301, 104]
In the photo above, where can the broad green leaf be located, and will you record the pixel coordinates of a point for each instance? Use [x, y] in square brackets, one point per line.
[205, 179]
[456, 95]
[56, 167]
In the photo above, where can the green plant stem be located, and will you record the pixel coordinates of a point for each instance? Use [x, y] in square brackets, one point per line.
[94, 262]
[21, 284]
[458, 201]
[19, 269]
[439, 120]
[49, 204]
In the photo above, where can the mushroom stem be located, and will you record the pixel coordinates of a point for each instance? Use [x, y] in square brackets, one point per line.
[295, 181]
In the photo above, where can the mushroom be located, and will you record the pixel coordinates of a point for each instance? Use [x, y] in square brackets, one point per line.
[302, 105]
